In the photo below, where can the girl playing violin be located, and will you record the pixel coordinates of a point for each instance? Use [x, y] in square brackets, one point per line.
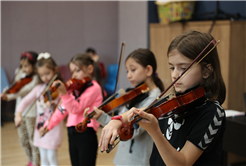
[141, 68]
[48, 145]
[25, 80]
[196, 137]
[82, 146]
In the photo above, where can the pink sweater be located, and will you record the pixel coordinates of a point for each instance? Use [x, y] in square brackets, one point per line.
[52, 139]
[74, 108]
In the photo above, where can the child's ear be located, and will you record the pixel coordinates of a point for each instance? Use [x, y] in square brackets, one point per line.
[207, 71]
[90, 69]
[149, 70]
[56, 69]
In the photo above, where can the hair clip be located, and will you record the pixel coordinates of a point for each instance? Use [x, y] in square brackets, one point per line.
[28, 55]
[45, 55]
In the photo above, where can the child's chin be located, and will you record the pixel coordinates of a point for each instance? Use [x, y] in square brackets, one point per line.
[179, 90]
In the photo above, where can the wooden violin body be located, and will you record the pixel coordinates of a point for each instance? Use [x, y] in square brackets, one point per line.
[124, 99]
[71, 84]
[174, 106]
[19, 84]
[75, 84]
[49, 95]
[117, 102]
[166, 109]
[177, 104]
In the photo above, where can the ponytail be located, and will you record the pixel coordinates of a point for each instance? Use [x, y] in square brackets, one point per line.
[98, 77]
[158, 82]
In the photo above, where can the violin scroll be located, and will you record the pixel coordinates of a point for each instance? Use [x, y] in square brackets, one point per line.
[81, 127]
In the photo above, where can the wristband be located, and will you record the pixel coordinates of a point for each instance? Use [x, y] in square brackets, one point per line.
[118, 117]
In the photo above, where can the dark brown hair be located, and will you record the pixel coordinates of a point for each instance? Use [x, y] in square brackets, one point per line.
[50, 64]
[145, 57]
[84, 60]
[190, 45]
[31, 57]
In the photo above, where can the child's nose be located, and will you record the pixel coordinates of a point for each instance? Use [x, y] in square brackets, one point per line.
[175, 74]
[128, 75]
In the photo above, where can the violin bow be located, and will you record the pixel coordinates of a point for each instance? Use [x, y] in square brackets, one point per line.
[91, 114]
[188, 69]
[123, 45]
[46, 128]
[44, 91]
[54, 108]
[122, 51]
[184, 73]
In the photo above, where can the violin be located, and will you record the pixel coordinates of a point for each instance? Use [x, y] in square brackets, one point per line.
[75, 84]
[42, 94]
[162, 107]
[49, 95]
[108, 105]
[18, 85]
[166, 108]
[71, 84]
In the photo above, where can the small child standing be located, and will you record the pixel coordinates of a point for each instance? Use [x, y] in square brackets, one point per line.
[48, 145]
[141, 68]
[82, 146]
[196, 137]
[26, 128]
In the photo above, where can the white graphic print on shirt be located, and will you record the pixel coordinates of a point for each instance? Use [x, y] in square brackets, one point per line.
[171, 125]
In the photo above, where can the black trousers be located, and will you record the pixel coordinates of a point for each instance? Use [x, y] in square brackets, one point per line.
[82, 147]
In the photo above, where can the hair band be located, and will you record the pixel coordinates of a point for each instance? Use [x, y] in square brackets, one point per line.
[28, 55]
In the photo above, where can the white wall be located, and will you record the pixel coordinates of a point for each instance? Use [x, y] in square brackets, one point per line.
[133, 24]
[61, 28]
[65, 28]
